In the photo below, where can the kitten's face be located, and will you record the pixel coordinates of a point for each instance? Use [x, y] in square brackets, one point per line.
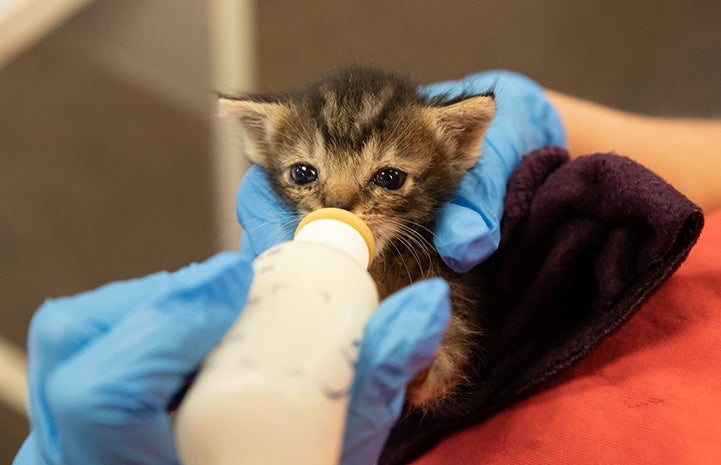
[367, 143]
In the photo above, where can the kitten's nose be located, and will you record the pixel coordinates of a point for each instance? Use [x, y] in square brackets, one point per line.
[338, 201]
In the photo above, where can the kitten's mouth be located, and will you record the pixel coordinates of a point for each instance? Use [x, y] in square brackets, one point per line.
[368, 224]
[382, 227]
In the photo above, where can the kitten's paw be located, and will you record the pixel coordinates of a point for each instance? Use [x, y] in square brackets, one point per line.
[436, 383]
[434, 387]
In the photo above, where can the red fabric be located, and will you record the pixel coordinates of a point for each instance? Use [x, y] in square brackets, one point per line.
[650, 394]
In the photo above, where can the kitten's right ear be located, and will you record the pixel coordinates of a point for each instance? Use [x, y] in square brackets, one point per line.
[461, 126]
[258, 121]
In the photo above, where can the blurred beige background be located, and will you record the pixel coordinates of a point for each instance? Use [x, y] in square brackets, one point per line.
[106, 123]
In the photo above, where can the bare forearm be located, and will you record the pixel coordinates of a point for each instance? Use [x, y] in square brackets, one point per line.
[685, 152]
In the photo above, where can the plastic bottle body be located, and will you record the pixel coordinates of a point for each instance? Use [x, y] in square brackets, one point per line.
[277, 387]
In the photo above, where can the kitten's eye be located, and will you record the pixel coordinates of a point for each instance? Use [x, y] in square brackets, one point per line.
[390, 178]
[302, 174]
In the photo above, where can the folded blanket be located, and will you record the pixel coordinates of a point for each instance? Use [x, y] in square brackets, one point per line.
[584, 244]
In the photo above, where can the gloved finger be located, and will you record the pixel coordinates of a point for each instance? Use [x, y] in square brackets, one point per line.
[468, 229]
[265, 218]
[152, 346]
[401, 339]
[28, 453]
[64, 325]
[61, 327]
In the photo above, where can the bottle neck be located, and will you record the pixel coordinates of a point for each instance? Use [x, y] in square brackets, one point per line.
[340, 229]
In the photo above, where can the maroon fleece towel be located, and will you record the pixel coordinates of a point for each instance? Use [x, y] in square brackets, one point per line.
[584, 244]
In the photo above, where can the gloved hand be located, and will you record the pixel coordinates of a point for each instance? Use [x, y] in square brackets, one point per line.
[401, 339]
[103, 365]
[467, 228]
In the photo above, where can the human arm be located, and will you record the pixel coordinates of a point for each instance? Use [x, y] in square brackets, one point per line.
[685, 152]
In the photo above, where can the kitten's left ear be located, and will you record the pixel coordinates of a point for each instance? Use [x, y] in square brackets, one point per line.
[257, 121]
[461, 126]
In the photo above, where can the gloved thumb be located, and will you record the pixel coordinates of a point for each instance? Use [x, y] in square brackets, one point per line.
[265, 218]
[109, 401]
[400, 340]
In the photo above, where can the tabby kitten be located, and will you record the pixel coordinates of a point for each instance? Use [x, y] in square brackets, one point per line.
[367, 141]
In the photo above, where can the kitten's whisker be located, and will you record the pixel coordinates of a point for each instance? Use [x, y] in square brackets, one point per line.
[419, 245]
[405, 265]
[411, 241]
[416, 243]
[407, 242]
[417, 251]
[283, 226]
[423, 243]
[423, 227]
[421, 249]
[414, 253]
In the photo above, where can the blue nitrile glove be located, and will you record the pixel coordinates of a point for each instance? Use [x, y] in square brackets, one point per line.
[401, 339]
[103, 365]
[265, 218]
[467, 228]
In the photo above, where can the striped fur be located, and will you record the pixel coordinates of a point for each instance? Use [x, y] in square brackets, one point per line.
[351, 126]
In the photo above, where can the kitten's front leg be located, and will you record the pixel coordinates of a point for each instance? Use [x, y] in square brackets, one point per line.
[436, 385]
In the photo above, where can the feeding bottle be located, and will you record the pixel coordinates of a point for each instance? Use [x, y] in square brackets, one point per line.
[276, 389]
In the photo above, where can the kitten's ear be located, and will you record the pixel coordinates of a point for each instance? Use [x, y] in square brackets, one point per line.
[257, 122]
[461, 126]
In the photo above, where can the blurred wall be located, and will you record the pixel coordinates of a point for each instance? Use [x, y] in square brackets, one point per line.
[104, 127]
[105, 153]
[160, 46]
[641, 55]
